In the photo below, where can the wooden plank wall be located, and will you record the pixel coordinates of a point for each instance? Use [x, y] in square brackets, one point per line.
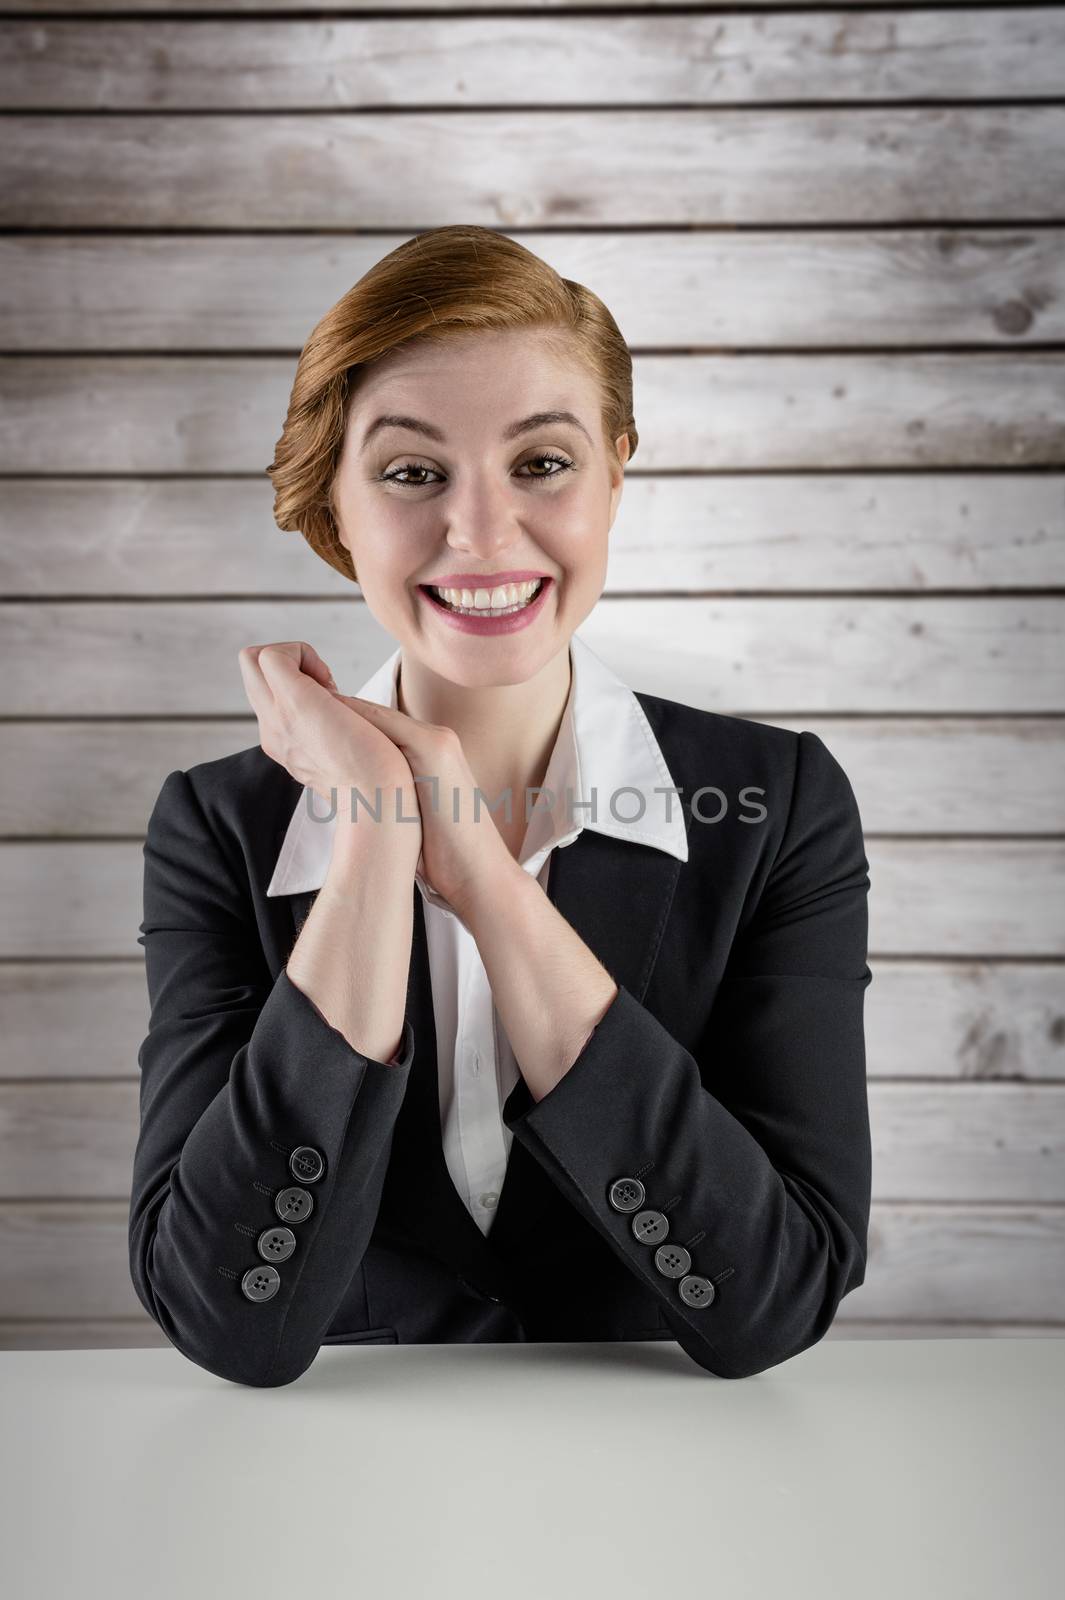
[834, 241]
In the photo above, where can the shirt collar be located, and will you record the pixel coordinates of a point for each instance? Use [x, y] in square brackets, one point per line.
[605, 751]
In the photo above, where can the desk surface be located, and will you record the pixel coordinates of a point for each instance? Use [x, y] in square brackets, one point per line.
[931, 1469]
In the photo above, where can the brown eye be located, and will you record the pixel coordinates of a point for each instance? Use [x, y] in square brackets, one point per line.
[407, 466]
[545, 477]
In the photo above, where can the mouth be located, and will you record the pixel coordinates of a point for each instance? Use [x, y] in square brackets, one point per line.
[525, 595]
[528, 601]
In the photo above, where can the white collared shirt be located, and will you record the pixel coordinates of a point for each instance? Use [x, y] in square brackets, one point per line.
[604, 745]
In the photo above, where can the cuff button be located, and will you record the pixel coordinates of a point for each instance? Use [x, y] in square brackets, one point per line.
[294, 1205]
[650, 1226]
[626, 1194]
[306, 1164]
[261, 1283]
[672, 1260]
[276, 1244]
[696, 1291]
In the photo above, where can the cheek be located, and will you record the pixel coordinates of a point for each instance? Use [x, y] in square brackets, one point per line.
[580, 543]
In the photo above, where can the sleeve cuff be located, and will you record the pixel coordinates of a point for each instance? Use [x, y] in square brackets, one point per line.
[521, 1111]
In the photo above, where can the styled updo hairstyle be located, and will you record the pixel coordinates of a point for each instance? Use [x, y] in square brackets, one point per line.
[441, 284]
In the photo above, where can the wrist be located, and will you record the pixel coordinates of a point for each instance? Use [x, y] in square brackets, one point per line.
[492, 884]
[367, 837]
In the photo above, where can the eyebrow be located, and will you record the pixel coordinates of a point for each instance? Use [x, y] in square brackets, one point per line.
[538, 419]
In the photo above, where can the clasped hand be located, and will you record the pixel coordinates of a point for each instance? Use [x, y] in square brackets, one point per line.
[328, 740]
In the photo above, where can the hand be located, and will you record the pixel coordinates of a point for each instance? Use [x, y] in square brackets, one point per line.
[458, 857]
[322, 737]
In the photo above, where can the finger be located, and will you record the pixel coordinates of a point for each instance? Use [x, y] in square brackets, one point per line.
[257, 689]
[295, 660]
[310, 662]
[279, 666]
[303, 655]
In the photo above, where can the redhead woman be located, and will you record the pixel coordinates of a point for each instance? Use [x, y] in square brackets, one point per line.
[492, 999]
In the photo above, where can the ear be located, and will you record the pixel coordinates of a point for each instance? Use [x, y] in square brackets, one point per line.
[617, 474]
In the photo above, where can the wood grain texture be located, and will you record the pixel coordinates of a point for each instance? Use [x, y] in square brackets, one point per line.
[398, 7]
[755, 290]
[535, 168]
[458, 61]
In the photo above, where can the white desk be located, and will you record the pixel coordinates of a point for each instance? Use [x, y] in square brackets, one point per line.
[928, 1470]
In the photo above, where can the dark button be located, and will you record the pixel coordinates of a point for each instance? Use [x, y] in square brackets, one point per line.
[261, 1283]
[626, 1194]
[294, 1205]
[696, 1291]
[672, 1260]
[650, 1226]
[306, 1164]
[276, 1244]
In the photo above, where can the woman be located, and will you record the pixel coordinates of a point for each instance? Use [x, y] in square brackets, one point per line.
[421, 1070]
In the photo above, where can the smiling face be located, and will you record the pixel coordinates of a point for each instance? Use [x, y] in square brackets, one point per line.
[479, 497]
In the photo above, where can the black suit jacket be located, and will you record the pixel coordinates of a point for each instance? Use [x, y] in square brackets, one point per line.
[727, 1077]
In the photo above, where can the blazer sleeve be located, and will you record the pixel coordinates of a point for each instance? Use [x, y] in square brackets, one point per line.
[756, 1148]
[237, 1071]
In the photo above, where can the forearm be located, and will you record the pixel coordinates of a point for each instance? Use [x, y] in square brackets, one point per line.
[238, 1072]
[352, 957]
[550, 990]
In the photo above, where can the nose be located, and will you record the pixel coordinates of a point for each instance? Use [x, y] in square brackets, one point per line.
[481, 522]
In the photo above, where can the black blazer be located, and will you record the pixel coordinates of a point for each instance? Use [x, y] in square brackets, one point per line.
[725, 1084]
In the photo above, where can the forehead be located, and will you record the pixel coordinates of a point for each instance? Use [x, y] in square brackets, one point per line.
[526, 369]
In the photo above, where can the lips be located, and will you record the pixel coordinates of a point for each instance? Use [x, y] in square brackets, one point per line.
[485, 611]
[480, 622]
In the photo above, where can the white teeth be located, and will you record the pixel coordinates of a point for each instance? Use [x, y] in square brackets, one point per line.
[500, 601]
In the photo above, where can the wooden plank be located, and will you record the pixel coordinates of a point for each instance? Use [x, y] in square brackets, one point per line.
[973, 898]
[959, 776]
[99, 778]
[456, 61]
[969, 1020]
[985, 1263]
[950, 1021]
[783, 656]
[534, 168]
[72, 1020]
[141, 1333]
[755, 290]
[963, 897]
[726, 533]
[218, 414]
[961, 1142]
[78, 1333]
[398, 7]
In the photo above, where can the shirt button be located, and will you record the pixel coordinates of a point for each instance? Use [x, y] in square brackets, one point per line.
[488, 1200]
